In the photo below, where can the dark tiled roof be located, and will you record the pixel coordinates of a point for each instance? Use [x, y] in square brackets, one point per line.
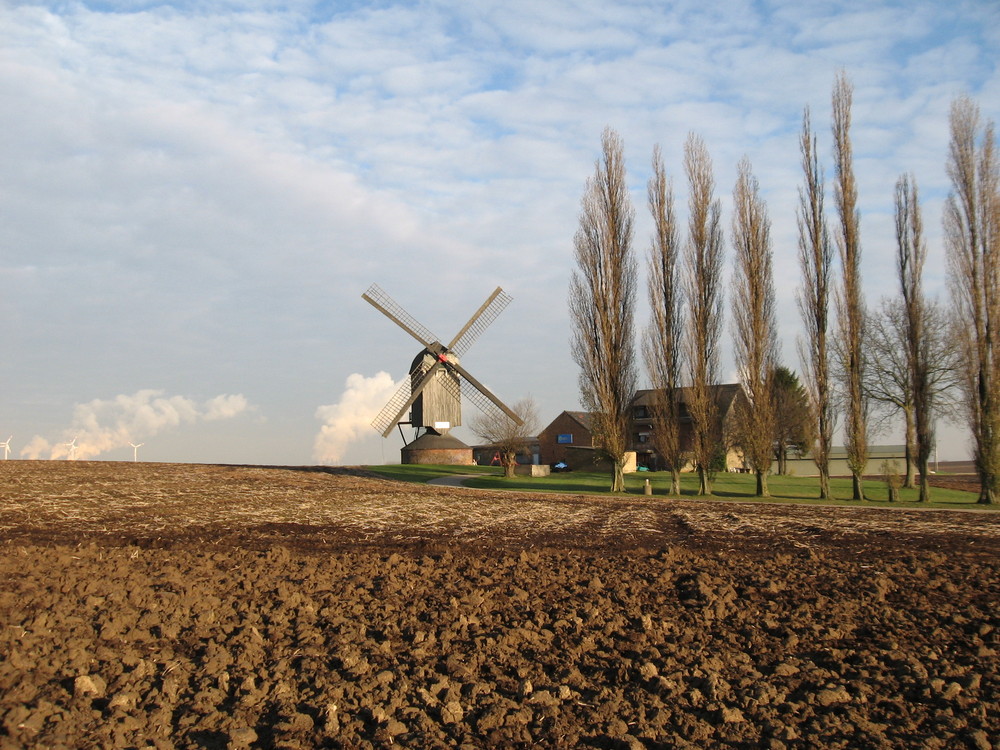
[582, 417]
[725, 394]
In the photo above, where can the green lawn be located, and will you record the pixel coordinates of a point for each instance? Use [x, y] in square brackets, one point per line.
[727, 486]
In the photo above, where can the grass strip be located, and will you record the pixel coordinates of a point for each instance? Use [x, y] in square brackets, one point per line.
[789, 489]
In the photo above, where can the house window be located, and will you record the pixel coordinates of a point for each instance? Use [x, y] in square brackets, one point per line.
[565, 438]
[641, 412]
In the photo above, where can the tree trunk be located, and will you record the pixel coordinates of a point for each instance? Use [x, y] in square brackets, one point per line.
[618, 481]
[911, 441]
[704, 483]
[925, 485]
[782, 460]
[858, 486]
[675, 482]
[989, 493]
[824, 484]
[762, 490]
[509, 464]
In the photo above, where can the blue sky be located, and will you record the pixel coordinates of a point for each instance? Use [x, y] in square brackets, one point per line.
[195, 195]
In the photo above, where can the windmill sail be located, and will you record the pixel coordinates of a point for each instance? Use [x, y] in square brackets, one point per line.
[481, 396]
[480, 321]
[437, 381]
[401, 400]
[377, 298]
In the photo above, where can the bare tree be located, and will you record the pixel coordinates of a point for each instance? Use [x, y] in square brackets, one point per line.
[911, 253]
[754, 323]
[972, 238]
[850, 304]
[889, 381]
[815, 259]
[703, 285]
[662, 345]
[602, 304]
[792, 417]
[509, 438]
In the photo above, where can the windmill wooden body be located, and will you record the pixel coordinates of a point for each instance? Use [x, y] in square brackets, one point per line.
[437, 382]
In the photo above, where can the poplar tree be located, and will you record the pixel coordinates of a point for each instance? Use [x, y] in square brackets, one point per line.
[602, 304]
[972, 239]
[815, 259]
[910, 255]
[663, 341]
[850, 304]
[703, 286]
[754, 325]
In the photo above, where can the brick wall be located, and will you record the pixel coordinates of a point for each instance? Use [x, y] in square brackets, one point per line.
[551, 450]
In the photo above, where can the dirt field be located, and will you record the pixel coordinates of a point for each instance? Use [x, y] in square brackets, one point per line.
[152, 605]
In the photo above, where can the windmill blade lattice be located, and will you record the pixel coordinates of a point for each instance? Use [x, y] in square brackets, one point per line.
[386, 419]
[480, 321]
[394, 311]
[482, 402]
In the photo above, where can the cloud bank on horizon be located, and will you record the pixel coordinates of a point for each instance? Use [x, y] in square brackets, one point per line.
[196, 194]
[99, 426]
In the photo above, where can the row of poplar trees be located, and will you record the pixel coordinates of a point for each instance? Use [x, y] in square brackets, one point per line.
[681, 346]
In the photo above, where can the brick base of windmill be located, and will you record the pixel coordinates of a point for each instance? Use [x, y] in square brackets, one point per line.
[436, 449]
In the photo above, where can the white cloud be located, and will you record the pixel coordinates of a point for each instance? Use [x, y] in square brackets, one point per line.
[101, 425]
[225, 406]
[350, 418]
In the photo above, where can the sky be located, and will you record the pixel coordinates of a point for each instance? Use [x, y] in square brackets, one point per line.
[194, 195]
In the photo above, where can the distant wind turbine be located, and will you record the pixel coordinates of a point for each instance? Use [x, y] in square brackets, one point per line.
[135, 450]
[72, 449]
[6, 447]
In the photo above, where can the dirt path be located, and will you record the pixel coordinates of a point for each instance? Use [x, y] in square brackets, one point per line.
[452, 480]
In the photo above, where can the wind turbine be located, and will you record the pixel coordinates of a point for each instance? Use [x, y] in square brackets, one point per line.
[72, 449]
[6, 447]
[135, 451]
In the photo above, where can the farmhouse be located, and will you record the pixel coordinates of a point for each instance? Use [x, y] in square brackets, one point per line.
[569, 439]
[727, 396]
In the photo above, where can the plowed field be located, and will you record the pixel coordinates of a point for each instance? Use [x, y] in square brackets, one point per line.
[154, 605]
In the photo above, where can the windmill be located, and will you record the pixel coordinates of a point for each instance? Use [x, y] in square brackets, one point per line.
[6, 447]
[437, 381]
[72, 449]
[135, 451]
